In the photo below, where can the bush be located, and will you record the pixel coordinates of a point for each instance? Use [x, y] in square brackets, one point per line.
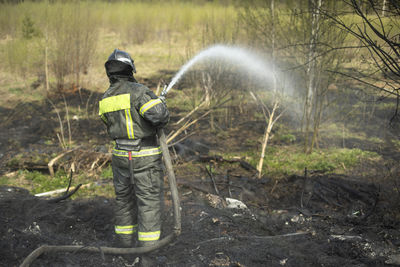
[29, 29]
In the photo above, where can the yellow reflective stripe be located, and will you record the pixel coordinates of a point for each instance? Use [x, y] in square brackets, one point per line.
[149, 105]
[149, 236]
[103, 118]
[146, 152]
[129, 123]
[114, 103]
[138, 154]
[126, 229]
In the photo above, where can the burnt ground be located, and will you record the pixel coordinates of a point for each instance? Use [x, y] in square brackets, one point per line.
[311, 220]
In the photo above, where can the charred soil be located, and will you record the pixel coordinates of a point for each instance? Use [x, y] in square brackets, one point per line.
[229, 217]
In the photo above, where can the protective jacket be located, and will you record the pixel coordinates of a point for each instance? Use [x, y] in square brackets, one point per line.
[132, 113]
[131, 110]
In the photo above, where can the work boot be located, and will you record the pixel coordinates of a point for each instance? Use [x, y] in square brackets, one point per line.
[147, 260]
[125, 241]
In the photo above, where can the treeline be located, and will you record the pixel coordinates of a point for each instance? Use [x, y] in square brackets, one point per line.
[60, 41]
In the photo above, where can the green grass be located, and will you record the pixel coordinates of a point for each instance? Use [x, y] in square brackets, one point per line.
[107, 173]
[333, 130]
[37, 182]
[281, 161]
[40, 182]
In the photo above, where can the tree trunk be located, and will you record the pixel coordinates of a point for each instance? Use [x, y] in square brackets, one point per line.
[317, 120]
[384, 7]
[46, 67]
[266, 138]
[311, 88]
[46, 64]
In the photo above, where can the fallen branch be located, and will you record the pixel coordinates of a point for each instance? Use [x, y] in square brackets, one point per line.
[54, 160]
[274, 236]
[212, 180]
[228, 181]
[191, 112]
[180, 140]
[245, 165]
[347, 237]
[58, 191]
[60, 139]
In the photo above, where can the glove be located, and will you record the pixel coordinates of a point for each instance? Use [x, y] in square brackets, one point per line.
[162, 98]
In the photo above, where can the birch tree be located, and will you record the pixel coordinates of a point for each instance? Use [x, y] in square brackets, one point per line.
[262, 25]
[311, 69]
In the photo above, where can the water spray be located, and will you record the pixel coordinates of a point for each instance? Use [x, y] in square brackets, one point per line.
[241, 58]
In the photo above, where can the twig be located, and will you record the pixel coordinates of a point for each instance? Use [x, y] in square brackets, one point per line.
[184, 127]
[180, 140]
[68, 124]
[61, 139]
[54, 160]
[191, 112]
[58, 191]
[161, 81]
[107, 159]
[228, 178]
[212, 179]
[94, 163]
[346, 237]
[274, 236]
[273, 188]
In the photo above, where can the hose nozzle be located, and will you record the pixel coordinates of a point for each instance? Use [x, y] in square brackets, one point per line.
[164, 91]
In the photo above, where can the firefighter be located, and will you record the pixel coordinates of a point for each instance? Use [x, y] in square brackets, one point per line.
[132, 114]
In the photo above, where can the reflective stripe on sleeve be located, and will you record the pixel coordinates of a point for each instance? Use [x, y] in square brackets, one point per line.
[115, 103]
[138, 154]
[125, 230]
[149, 236]
[103, 118]
[149, 105]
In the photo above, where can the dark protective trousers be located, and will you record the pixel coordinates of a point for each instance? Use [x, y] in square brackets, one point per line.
[139, 201]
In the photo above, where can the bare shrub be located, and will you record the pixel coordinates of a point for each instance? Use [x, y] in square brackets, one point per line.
[74, 32]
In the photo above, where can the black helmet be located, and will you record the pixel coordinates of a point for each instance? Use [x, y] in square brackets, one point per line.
[119, 62]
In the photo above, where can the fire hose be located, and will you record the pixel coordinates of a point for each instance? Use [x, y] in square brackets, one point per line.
[135, 250]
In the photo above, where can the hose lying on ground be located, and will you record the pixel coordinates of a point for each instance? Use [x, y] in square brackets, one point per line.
[123, 251]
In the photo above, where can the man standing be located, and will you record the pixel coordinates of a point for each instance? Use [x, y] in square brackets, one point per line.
[132, 114]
